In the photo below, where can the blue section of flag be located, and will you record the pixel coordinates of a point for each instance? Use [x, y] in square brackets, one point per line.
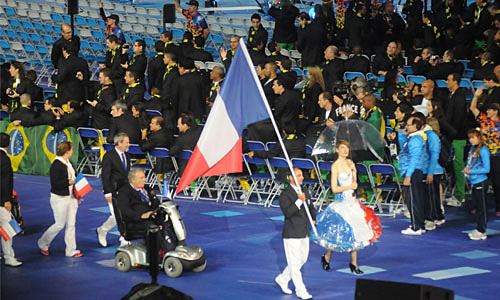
[240, 92]
[15, 226]
[78, 178]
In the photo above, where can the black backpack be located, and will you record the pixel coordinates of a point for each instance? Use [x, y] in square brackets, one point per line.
[446, 154]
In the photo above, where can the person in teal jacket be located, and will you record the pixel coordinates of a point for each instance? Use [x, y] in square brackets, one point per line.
[476, 171]
[411, 166]
[433, 212]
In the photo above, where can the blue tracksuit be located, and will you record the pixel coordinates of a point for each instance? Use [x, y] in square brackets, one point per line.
[412, 155]
[479, 166]
[433, 150]
[413, 160]
[479, 169]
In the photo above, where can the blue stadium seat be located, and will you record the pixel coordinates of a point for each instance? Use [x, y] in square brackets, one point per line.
[441, 83]
[27, 25]
[38, 27]
[98, 35]
[469, 73]
[14, 24]
[35, 38]
[56, 18]
[418, 79]
[23, 36]
[80, 21]
[9, 11]
[408, 70]
[48, 28]
[351, 75]
[48, 39]
[11, 35]
[477, 83]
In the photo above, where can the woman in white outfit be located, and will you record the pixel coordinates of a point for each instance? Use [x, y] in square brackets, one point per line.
[63, 202]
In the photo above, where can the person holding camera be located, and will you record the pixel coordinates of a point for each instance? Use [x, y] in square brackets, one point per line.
[421, 64]
[441, 69]
[388, 60]
[18, 84]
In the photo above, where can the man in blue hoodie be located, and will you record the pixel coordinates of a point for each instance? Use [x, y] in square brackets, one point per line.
[412, 163]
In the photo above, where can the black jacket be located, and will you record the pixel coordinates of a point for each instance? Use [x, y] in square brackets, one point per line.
[287, 108]
[188, 92]
[114, 62]
[68, 86]
[78, 118]
[114, 174]
[357, 63]
[127, 124]
[131, 204]
[56, 53]
[254, 36]
[333, 70]
[258, 57]
[422, 67]
[133, 93]
[7, 182]
[442, 70]
[59, 182]
[156, 68]
[162, 138]
[198, 54]
[26, 115]
[284, 26]
[382, 62]
[45, 118]
[101, 117]
[296, 221]
[138, 63]
[456, 113]
[174, 49]
[311, 43]
[295, 147]
[167, 86]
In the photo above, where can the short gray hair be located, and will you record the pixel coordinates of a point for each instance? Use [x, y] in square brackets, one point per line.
[133, 173]
[120, 105]
[119, 137]
[334, 49]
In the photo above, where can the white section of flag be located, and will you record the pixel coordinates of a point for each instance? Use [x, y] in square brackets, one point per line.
[218, 139]
[81, 184]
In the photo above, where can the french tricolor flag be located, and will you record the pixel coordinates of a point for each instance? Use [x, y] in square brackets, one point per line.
[241, 102]
[9, 230]
[82, 186]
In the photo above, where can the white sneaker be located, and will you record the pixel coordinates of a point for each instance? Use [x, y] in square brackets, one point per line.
[429, 225]
[453, 202]
[283, 285]
[409, 231]
[101, 237]
[13, 262]
[439, 222]
[476, 235]
[304, 295]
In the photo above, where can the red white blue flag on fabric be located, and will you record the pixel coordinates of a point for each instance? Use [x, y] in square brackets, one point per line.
[240, 102]
[9, 230]
[82, 186]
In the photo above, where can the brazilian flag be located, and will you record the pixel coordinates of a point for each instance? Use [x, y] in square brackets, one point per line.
[33, 149]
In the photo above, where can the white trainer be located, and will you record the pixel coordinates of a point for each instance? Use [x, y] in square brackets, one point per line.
[282, 285]
[476, 235]
[101, 237]
[13, 262]
[304, 295]
[439, 222]
[410, 231]
[429, 225]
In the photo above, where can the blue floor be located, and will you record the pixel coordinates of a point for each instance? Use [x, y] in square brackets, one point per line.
[244, 253]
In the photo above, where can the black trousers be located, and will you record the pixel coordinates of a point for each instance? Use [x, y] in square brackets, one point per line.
[414, 197]
[479, 194]
[432, 201]
[495, 179]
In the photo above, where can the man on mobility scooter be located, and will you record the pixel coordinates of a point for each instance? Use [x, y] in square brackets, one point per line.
[137, 210]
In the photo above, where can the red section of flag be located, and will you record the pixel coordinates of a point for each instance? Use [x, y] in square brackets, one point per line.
[198, 167]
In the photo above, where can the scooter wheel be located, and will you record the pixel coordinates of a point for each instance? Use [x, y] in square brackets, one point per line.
[200, 268]
[122, 262]
[172, 267]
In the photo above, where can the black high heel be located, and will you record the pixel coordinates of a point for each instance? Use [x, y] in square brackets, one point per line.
[355, 269]
[325, 264]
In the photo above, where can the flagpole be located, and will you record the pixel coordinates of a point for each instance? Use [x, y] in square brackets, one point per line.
[278, 134]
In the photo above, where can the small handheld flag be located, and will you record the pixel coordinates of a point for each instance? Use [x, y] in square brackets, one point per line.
[9, 230]
[81, 187]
